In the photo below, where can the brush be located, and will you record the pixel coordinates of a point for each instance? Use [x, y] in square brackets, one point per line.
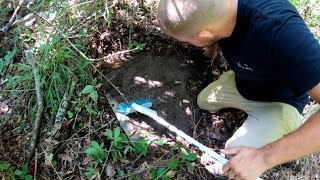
[143, 106]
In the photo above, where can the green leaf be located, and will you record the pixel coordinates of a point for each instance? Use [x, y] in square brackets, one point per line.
[116, 132]
[90, 110]
[28, 177]
[126, 150]
[90, 171]
[114, 155]
[161, 172]
[161, 142]
[87, 89]
[18, 172]
[25, 169]
[70, 114]
[95, 144]
[119, 154]
[109, 133]
[141, 147]
[119, 145]
[101, 145]
[134, 177]
[4, 166]
[153, 173]
[119, 139]
[174, 162]
[98, 85]
[191, 156]
[94, 95]
[10, 55]
[50, 157]
[91, 151]
[190, 165]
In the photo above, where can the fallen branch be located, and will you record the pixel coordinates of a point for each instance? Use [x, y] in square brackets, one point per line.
[61, 113]
[64, 105]
[37, 123]
[13, 17]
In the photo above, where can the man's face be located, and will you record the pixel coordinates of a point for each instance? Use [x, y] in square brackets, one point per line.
[197, 41]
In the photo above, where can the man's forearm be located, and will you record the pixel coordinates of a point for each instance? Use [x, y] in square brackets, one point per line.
[302, 142]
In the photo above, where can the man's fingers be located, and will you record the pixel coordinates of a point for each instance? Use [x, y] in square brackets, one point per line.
[234, 150]
[226, 167]
[231, 174]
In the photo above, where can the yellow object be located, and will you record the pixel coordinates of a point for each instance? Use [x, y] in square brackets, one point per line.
[266, 122]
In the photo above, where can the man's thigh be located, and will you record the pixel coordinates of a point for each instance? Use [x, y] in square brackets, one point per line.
[266, 123]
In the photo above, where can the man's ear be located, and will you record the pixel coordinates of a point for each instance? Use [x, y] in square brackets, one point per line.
[205, 34]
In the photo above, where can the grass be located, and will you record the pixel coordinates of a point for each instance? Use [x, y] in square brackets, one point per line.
[310, 11]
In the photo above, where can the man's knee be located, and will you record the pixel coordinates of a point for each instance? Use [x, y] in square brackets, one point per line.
[202, 100]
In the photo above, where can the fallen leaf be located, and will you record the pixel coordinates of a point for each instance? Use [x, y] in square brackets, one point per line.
[171, 174]
[110, 170]
[65, 158]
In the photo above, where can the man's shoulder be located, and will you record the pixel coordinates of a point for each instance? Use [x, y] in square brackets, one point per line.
[278, 11]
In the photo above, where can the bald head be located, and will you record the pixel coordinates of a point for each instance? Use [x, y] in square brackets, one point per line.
[189, 16]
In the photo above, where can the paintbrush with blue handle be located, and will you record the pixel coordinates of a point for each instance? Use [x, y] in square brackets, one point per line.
[143, 106]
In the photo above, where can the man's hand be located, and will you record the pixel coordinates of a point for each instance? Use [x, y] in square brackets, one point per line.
[247, 164]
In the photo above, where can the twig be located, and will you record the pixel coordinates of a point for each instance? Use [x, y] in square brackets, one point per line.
[134, 161]
[105, 162]
[35, 132]
[45, 154]
[35, 165]
[80, 139]
[13, 17]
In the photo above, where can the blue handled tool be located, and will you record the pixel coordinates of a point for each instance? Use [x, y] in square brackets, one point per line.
[143, 106]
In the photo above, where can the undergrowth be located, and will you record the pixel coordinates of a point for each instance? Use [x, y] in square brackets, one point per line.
[60, 35]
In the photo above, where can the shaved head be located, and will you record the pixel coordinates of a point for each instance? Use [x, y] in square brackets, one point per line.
[188, 16]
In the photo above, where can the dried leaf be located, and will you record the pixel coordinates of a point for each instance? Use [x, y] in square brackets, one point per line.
[110, 170]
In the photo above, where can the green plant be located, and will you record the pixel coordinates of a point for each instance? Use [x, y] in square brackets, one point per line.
[96, 151]
[123, 145]
[159, 173]
[119, 141]
[136, 45]
[23, 173]
[91, 90]
[90, 172]
[6, 60]
[188, 159]
[5, 169]
[141, 146]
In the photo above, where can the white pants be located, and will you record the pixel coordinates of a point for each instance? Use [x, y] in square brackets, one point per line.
[266, 122]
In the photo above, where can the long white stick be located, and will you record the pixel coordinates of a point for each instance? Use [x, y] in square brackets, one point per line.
[153, 115]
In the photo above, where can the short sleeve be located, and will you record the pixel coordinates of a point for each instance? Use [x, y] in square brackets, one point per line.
[297, 55]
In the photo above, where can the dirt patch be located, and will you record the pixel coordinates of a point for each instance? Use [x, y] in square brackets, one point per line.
[161, 78]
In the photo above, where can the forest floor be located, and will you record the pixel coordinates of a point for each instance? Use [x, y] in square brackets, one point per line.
[76, 46]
